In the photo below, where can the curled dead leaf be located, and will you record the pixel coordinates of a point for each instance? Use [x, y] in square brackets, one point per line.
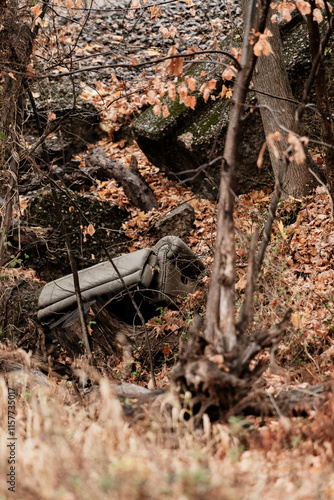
[303, 7]
[229, 73]
[191, 82]
[190, 101]
[259, 161]
[183, 92]
[317, 16]
[175, 65]
[36, 10]
[271, 138]
[299, 154]
[262, 46]
[90, 230]
[171, 91]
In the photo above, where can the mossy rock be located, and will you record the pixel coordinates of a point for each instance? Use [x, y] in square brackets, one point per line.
[193, 138]
[188, 138]
[48, 254]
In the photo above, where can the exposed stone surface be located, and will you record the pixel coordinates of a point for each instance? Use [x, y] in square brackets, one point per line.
[178, 222]
[18, 308]
[46, 247]
[79, 120]
[188, 139]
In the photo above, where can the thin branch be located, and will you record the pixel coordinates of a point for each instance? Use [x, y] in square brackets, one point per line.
[271, 216]
[220, 324]
[125, 286]
[140, 65]
[315, 64]
[247, 308]
[84, 329]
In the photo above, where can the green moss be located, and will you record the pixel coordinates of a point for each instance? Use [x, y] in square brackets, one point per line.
[151, 125]
[201, 132]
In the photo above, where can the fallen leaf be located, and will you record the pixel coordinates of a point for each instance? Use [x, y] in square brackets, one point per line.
[90, 230]
[36, 10]
[281, 229]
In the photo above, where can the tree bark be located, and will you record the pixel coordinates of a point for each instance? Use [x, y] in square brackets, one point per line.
[270, 76]
[15, 51]
[323, 103]
[220, 320]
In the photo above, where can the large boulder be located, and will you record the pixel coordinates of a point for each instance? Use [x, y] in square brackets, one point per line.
[188, 139]
[60, 103]
[41, 239]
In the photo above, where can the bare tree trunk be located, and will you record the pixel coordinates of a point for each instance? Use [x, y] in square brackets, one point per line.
[270, 76]
[323, 103]
[220, 320]
[15, 52]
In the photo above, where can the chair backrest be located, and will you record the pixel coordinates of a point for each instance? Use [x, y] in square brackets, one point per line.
[169, 270]
[101, 280]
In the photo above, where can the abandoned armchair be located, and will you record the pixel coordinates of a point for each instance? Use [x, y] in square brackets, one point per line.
[159, 275]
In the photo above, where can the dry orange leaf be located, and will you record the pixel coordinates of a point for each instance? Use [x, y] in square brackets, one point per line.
[317, 16]
[190, 101]
[36, 10]
[229, 73]
[171, 91]
[262, 46]
[175, 65]
[191, 82]
[166, 351]
[281, 229]
[157, 109]
[205, 91]
[183, 92]
[90, 230]
[303, 7]
[165, 111]
[23, 205]
[152, 96]
[212, 84]
[299, 154]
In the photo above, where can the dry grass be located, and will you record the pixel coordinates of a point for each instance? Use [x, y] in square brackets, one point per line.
[67, 451]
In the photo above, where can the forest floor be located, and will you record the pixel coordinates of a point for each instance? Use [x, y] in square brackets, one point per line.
[70, 448]
[73, 447]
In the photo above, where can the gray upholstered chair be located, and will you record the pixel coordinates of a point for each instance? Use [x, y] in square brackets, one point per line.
[169, 270]
[178, 269]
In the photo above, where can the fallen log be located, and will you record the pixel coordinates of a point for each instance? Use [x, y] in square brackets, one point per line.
[134, 185]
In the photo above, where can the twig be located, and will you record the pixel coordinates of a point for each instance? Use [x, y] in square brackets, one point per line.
[220, 325]
[137, 66]
[271, 217]
[84, 329]
[247, 308]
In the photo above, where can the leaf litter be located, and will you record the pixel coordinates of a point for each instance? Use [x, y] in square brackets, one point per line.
[95, 450]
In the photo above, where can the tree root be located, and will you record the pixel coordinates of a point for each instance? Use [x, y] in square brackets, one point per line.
[221, 385]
